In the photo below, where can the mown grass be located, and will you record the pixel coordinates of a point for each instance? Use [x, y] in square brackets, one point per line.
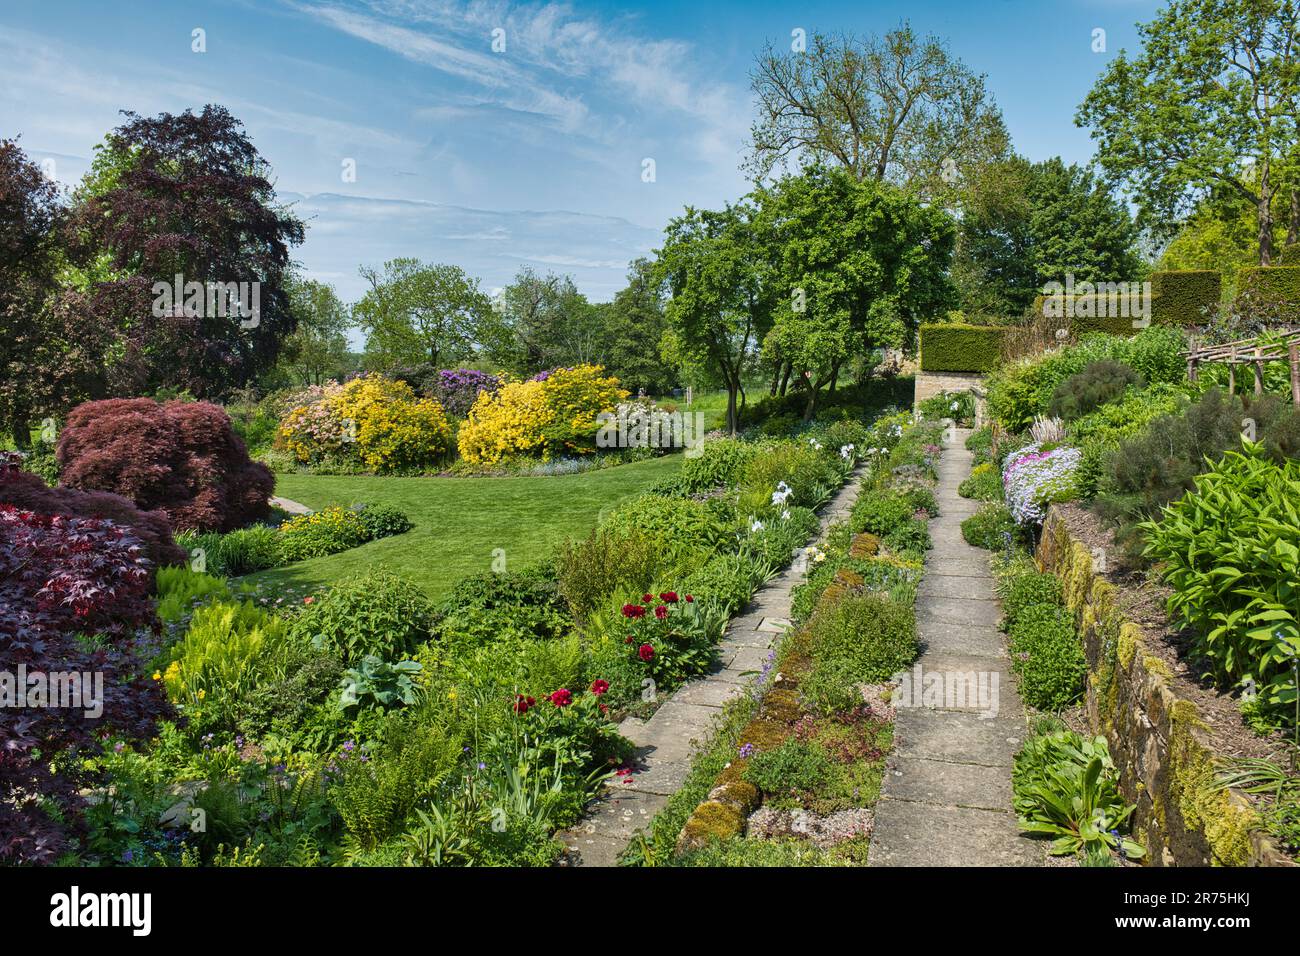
[460, 522]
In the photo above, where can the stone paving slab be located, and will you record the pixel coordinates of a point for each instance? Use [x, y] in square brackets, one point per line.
[940, 637]
[960, 565]
[918, 834]
[949, 784]
[964, 589]
[959, 611]
[959, 736]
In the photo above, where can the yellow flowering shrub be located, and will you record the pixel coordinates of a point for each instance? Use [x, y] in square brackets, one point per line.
[377, 420]
[554, 416]
[323, 532]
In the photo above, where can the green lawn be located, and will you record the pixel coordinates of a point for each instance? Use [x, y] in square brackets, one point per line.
[459, 522]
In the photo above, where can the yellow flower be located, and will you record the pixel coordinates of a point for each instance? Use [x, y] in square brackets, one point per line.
[202, 694]
[157, 675]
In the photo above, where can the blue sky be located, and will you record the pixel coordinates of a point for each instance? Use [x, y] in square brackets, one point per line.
[493, 160]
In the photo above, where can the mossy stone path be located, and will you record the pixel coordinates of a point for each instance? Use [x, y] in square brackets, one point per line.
[946, 798]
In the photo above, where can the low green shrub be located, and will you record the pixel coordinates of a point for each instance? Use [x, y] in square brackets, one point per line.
[989, 527]
[1066, 787]
[376, 793]
[229, 649]
[507, 605]
[879, 510]
[381, 521]
[618, 558]
[983, 484]
[727, 579]
[1022, 592]
[323, 532]
[788, 770]
[980, 442]
[181, 590]
[377, 613]
[1047, 655]
[1230, 549]
[1098, 384]
[1021, 391]
[683, 522]
[861, 639]
[720, 463]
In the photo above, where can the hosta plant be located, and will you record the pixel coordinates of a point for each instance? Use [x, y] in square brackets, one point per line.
[1066, 788]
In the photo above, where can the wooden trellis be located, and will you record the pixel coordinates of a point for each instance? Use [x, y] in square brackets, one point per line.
[1249, 352]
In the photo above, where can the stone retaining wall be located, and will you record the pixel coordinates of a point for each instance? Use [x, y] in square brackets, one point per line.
[1158, 740]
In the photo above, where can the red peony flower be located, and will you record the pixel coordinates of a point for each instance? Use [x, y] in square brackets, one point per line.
[628, 639]
[690, 599]
[647, 598]
[661, 612]
[562, 698]
[522, 703]
[669, 596]
[599, 687]
[633, 610]
[645, 652]
[604, 708]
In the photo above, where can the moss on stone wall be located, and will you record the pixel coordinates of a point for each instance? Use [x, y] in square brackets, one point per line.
[1158, 740]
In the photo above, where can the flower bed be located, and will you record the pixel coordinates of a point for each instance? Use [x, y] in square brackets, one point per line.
[795, 765]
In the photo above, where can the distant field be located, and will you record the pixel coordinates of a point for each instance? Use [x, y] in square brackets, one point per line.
[459, 522]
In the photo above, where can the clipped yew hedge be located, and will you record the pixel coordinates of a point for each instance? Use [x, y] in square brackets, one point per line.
[1184, 297]
[1279, 285]
[955, 347]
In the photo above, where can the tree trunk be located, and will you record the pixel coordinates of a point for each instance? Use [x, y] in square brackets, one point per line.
[811, 407]
[1264, 213]
[1293, 223]
[785, 378]
[21, 427]
[733, 418]
[776, 379]
[835, 376]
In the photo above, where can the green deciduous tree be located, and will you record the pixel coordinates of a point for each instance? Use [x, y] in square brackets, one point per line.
[899, 108]
[854, 266]
[720, 306]
[317, 351]
[1025, 224]
[415, 312]
[547, 323]
[1209, 104]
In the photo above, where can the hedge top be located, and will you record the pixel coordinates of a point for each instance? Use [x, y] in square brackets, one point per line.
[956, 347]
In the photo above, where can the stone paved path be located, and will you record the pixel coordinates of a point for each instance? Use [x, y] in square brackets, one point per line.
[946, 799]
[666, 742]
[293, 507]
